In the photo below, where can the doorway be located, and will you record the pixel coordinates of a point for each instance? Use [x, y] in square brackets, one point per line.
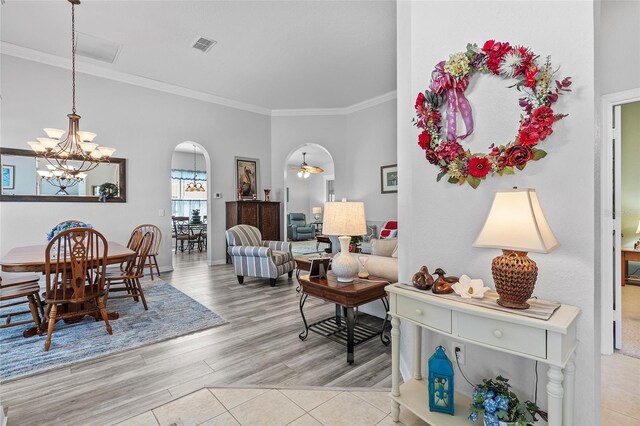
[309, 181]
[190, 203]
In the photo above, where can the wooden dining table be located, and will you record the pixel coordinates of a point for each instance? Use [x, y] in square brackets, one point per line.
[32, 259]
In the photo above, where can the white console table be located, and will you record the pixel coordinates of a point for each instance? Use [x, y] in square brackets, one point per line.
[551, 342]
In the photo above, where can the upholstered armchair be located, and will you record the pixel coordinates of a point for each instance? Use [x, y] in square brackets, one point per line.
[298, 229]
[253, 257]
[388, 230]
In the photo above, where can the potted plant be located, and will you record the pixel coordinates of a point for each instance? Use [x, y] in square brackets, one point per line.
[498, 405]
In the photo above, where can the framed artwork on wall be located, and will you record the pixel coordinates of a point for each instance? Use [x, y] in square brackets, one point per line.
[8, 177]
[247, 172]
[389, 179]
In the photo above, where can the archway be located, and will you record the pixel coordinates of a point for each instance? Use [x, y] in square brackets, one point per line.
[303, 194]
[191, 164]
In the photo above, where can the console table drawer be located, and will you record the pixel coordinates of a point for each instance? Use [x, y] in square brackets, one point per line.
[514, 337]
[429, 315]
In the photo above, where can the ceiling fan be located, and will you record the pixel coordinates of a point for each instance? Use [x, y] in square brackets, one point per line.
[305, 170]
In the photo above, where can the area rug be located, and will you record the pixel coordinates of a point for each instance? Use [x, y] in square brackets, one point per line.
[171, 314]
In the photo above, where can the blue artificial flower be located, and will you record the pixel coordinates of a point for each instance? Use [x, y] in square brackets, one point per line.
[503, 402]
[473, 416]
[490, 406]
[491, 420]
[490, 394]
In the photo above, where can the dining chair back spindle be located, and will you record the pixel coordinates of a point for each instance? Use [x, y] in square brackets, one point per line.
[155, 247]
[75, 267]
[129, 279]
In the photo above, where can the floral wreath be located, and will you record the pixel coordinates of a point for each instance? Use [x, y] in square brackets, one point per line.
[107, 190]
[449, 81]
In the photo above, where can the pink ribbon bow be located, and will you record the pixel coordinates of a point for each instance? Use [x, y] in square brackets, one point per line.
[440, 82]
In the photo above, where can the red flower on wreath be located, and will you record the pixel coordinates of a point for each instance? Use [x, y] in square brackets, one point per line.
[423, 139]
[496, 51]
[530, 77]
[449, 150]
[431, 156]
[528, 135]
[479, 167]
[543, 116]
[518, 155]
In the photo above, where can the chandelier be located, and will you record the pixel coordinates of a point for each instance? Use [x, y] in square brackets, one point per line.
[70, 158]
[61, 179]
[194, 186]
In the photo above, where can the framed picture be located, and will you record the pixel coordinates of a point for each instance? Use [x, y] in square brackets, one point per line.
[389, 179]
[247, 172]
[8, 177]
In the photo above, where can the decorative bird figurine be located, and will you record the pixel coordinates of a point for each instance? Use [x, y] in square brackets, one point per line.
[443, 284]
[422, 279]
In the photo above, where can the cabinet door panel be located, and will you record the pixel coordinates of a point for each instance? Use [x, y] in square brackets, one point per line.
[248, 214]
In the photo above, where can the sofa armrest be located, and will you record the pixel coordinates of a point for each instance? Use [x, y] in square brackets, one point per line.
[249, 251]
[277, 245]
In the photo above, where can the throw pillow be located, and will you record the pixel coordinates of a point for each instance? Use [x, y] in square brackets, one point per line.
[388, 233]
[384, 247]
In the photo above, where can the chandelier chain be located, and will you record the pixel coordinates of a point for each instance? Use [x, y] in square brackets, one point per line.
[73, 56]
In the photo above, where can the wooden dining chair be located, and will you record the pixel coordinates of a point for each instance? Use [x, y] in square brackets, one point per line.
[18, 291]
[155, 247]
[184, 233]
[75, 269]
[129, 279]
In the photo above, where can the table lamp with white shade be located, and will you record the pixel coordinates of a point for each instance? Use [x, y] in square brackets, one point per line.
[344, 219]
[516, 225]
[317, 211]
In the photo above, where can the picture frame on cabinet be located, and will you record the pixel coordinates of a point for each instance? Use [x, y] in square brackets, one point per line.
[247, 172]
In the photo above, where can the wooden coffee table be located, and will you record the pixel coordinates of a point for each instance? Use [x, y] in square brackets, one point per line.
[346, 296]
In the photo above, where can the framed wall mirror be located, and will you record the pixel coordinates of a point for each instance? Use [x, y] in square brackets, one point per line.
[22, 182]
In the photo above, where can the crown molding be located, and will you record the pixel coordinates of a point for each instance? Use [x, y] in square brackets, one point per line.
[101, 71]
[336, 111]
[110, 74]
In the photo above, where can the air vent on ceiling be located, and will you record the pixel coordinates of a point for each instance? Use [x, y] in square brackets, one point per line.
[204, 44]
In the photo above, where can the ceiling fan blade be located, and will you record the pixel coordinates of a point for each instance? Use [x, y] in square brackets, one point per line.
[314, 169]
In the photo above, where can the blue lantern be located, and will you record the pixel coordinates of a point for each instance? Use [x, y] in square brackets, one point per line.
[440, 382]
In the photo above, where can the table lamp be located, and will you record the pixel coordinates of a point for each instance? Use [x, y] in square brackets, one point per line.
[344, 219]
[516, 225]
[317, 211]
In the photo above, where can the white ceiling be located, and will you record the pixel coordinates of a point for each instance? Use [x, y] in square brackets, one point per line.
[272, 54]
[188, 148]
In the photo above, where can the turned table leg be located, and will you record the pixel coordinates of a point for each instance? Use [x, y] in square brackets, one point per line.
[417, 352]
[569, 381]
[555, 393]
[395, 367]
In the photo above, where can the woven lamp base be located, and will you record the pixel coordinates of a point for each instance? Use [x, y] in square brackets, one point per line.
[514, 275]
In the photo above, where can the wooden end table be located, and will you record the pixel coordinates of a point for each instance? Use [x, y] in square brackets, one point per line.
[346, 296]
[323, 239]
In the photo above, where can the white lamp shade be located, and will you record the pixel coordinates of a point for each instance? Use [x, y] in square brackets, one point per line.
[516, 222]
[48, 143]
[638, 230]
[344, 218]
[37, 147]
[106, 151]
[54, 133]
[86, 136]
[317, 210]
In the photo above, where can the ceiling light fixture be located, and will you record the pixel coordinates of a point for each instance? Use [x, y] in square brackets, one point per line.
[305, 170]
[76, 154]
[194, 186]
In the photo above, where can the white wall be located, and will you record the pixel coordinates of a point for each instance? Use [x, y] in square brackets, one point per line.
[443, 219]
[299, 193]
[184, 161]
[144, 126]
[372, 143]
[619, 37]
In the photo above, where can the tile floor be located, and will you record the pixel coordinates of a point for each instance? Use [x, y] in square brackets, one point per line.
[620, 405]
[276, 407]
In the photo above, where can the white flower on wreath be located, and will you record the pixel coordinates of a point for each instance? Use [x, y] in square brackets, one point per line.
[468, 288]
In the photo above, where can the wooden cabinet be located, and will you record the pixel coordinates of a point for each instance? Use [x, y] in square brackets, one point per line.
[264, 215]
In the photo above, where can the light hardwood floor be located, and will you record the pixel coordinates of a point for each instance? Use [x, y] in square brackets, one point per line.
[258, 346]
